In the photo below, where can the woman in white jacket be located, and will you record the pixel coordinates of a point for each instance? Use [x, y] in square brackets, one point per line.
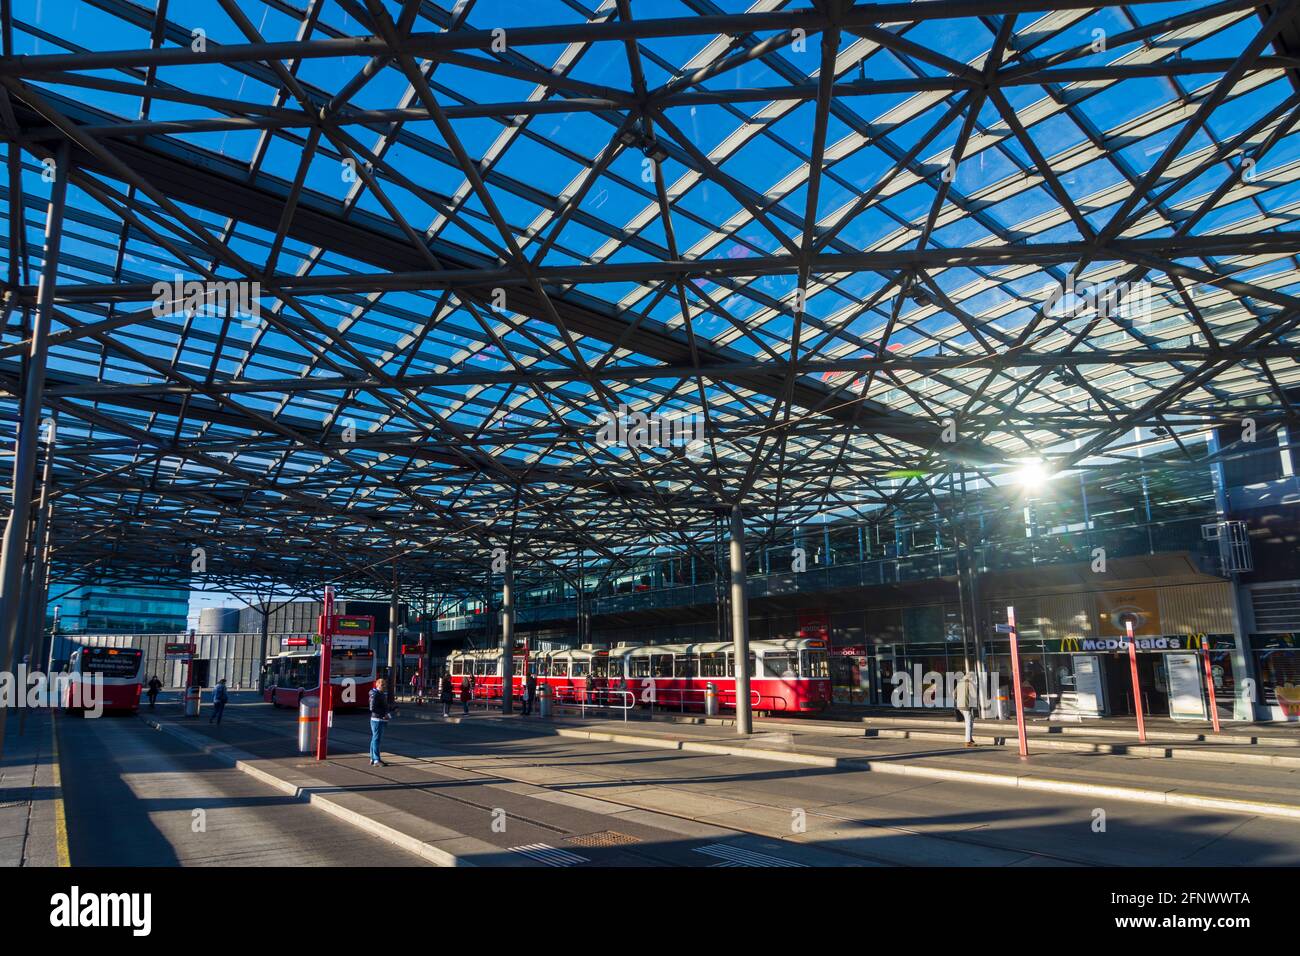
[966, 699]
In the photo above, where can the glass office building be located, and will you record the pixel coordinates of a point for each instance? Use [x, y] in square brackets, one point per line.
[119, 609]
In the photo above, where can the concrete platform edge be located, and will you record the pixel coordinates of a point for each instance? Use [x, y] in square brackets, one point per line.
[310, 794]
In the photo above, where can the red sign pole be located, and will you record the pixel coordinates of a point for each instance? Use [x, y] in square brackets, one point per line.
[1209, 682]
[326, 645]
[1015, 680]
[1133, 668]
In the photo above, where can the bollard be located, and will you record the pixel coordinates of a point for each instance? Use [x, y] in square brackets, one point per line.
[544, 700]
[710, 699]
[308, 724]
[192, 701]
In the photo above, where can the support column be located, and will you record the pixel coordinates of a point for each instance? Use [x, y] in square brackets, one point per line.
[14, 549]
[508, 639]
[34, 625]
[266, 640]
[392, 637]
[1244, 707]
[740, 624]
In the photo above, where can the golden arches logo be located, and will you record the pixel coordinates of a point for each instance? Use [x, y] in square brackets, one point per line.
[1071, 645]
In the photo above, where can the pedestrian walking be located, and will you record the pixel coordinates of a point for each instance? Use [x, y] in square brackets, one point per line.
[219, 698]
[380, 715]
[155, 685]
[446, 693]
[966, 698]
[466, 691]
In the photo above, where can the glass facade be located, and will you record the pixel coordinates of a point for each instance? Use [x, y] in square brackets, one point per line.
[119, 609]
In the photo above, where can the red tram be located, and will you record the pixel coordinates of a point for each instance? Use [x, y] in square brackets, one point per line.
[292, 675]
[791, 676]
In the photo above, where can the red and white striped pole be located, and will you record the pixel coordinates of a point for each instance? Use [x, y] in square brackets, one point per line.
[1133, 669]
[1015, 680]
[326, 646]
[1209, 682]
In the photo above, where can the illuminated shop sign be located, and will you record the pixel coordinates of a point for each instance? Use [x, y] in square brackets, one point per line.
[1186, 642]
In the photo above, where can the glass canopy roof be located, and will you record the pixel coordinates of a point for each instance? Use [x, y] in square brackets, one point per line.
[813, 258]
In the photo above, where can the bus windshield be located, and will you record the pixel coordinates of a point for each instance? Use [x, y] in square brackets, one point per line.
[350, 664]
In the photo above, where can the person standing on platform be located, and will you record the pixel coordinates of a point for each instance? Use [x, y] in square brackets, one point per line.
[529, 692]
[219, 698]
[466, 691]
[966, 698]
[446, 693]
[380, 715]
[155, 685]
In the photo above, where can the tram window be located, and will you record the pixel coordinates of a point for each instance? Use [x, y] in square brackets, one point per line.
[816, 664]
[517, 667]
[713, 665]
[480, 668]
[731, 669]
[580, 668]
[614, 669]
[599, 667]
[780, 665]
[661, 665]
[456, 667]
[559, 667]
[638, 667]
[684, 666]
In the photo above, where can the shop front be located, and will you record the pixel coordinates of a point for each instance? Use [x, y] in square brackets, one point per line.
[1093, 677]
[1277, 662]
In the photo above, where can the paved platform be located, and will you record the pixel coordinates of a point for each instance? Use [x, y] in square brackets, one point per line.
[31, 811]
[1201, 779]
[1276, 747]
[601, 794]
[460, 815]
[135, 797]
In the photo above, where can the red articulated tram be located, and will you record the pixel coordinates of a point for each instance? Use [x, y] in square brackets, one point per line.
[790, 676]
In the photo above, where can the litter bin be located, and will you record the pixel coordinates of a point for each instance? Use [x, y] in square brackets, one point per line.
[711, 699]
[192, 701]
[544, 700]
[308, 724]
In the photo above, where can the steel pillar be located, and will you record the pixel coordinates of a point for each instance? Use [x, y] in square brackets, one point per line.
[508, 639]
[740, 624]
[13, 552]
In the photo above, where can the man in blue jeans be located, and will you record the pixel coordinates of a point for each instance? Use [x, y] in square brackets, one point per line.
[219, 698]
[379, 717]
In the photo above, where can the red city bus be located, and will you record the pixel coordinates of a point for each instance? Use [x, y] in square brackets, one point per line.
[787, 676]
[120, 672]
[292, 675]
